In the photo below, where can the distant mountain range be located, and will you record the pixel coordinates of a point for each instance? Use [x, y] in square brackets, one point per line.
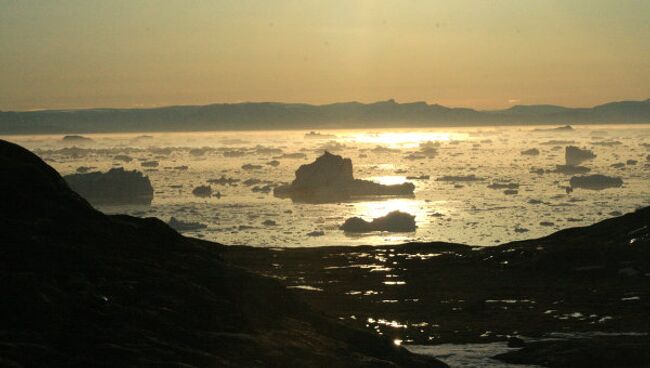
[272, 115]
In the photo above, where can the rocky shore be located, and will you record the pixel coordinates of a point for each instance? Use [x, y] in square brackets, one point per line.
[578, 287]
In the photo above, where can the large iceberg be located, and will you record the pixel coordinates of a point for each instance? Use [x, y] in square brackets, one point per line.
[330, 178]
[396, 222]
[114, 187]
[575, 156]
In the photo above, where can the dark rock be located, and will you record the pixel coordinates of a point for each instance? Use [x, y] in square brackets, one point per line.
[114, 187]
[396, 221]
[330, 178]
[595, 182]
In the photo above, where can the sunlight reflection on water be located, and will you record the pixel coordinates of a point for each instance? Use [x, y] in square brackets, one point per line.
[402, 139]
[463, 211]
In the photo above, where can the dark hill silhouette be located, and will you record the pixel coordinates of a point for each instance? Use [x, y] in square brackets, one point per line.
[82, 289]
[271, 115]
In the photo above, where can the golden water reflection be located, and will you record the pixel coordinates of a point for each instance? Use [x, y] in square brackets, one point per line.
[403, 139]
[389, 179]
[373, 209]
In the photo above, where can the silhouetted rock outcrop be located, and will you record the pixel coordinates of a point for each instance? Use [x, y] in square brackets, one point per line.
[330, 178]
[83, 289]
[114, 187]
[395, 222]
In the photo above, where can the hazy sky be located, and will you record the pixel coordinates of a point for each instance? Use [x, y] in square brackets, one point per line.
[484, 54]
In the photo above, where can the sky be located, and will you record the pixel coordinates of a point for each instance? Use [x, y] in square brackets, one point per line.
[482, 54]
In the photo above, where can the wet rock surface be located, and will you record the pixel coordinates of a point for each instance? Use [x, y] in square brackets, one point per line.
[114, 187]
[84, 289]
[330, 178]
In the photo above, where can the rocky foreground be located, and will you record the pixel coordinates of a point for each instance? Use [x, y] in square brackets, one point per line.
[82, 289]
[578, 298]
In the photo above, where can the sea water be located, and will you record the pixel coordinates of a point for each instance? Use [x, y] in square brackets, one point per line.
[453, 211]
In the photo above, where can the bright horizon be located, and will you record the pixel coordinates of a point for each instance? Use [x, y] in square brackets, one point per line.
[476, 54]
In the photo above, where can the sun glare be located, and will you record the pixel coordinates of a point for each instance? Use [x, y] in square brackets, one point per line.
[374, 209]
[402, 139]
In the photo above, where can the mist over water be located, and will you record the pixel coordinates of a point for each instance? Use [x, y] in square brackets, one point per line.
[511, 196]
